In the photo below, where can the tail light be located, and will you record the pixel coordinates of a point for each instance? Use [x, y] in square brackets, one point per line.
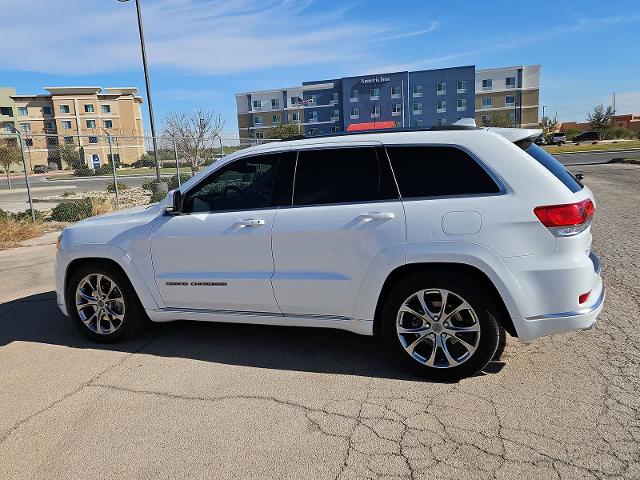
[567, 219]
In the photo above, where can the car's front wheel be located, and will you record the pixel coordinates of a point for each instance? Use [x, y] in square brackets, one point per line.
[441, 325]
[103, 303]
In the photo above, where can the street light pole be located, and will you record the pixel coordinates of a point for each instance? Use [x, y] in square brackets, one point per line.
[148, 88]
[26, 172]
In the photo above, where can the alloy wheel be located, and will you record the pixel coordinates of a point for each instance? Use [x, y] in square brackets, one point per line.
[100, 304]
[438, 328]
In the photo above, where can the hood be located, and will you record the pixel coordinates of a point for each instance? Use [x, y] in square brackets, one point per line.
[112, 228]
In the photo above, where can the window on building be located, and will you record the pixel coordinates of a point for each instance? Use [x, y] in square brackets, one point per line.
[276, 119]
[335, 115]
[50, 125]
[107, 123]
[441, 88]
[487, 84]
[25, 127]
[510, 100]
[354, 113]
[52, 141]
[275, 103]
[88, 108]
[335, 97]
[93, 139]
[293, 100]
[342, 175]
[417, 90]
[375, 111]
[487, 102]
[116, 158]
[91, 124]
[259, 135]
[68, 140]
[462, 86]
[64, 108]
[417, 108]
[257, 104]
[462, 104]
[375, 94]
[106, 108]
[353, 96]
[486, 119]
[313, 116]
[396, 91]
[66, 124]
[47, 110]
[441, 106]
[450, 172]
[6, 111]
[28, 142]
[441, 121]
[257, 119]
[335, 129]
[23, 111]
[418, 122]
[396, 109]
[295, 117]
[511, 82]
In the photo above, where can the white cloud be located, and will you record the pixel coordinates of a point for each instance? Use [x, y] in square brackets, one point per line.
[205, 36]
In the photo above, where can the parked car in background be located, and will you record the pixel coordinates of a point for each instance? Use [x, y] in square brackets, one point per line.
[591, 136]
[440, 241]
[41, 169]
[540, 140]
[557, 138]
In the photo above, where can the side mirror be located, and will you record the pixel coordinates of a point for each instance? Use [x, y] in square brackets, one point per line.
[174, 202]
[580, 176]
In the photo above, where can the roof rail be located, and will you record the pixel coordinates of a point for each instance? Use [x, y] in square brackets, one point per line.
[383, 130]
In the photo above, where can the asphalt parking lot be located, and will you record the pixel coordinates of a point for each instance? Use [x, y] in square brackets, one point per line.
[191, 400]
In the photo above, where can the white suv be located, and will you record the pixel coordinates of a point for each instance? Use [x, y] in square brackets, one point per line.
[439, 240]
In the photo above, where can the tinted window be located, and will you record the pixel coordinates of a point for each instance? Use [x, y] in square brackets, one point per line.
[437, 171]
[551, 164]
[255, 182]
[342, 175]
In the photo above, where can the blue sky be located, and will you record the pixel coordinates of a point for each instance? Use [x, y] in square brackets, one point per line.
[202, 52]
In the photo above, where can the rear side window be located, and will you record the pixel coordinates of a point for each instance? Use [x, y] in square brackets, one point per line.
[550, 163]
[342, 175]
[437, 171]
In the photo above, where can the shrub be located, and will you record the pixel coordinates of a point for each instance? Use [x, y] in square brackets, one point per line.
[157, 197]
[72, 211]
[68, 193]
[147, 184]
[145, 160]
[172, 183]
[83, 172]
[105, 169]
[26, 215]
[111, 187]
[3, 214]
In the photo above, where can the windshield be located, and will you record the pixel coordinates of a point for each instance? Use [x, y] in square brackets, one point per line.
[551, 164]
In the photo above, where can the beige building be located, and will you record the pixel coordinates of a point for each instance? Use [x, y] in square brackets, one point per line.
[514, 91]
[81, 116]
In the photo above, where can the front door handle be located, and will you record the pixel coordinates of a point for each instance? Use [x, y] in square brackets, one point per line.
[251, 222]
[367, 217]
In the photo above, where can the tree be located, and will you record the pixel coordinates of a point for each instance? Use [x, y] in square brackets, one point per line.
[70, 155]
[282, 131]
[500, 119]
[9, 154]
[548, 126]
[195, 134]
[600, 117]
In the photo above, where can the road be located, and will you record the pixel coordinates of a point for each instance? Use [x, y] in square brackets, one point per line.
[593, 157]
[189, 400]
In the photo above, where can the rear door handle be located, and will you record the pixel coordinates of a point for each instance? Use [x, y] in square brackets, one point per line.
[251, 222]
[367, 217]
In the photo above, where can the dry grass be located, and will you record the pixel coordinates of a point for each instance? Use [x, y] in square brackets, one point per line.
[100, 205]
[13, 232]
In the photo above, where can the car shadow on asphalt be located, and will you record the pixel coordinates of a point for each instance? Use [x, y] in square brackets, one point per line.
[36, 318]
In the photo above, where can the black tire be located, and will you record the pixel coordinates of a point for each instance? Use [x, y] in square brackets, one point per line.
[135, 317]
[467, 289]
[502, 343]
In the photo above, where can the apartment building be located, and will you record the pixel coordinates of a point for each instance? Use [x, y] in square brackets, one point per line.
[511, 90]
[404, 99]
[389, 100]
[82, 116]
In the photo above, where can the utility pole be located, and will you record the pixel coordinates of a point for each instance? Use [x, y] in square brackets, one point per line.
[613, 117]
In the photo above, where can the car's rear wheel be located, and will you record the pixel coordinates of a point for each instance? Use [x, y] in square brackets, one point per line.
[103, 304]
[441, 325]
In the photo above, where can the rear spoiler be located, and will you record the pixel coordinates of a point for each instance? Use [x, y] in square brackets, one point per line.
[512, 134]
